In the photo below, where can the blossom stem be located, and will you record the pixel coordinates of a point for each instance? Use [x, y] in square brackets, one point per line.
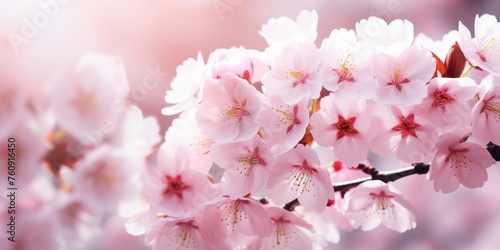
[313, 106]
[467, 70]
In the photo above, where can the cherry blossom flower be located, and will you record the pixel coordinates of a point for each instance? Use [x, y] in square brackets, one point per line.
[457, 162]
[247, 166]
[136, 133]
[245, 63]
[288, 231]
[138, 214]
[288, 123]
[285, 32]
[445, 106]
[26, 150]
[297, 174]
[12, 98]
[346, 68]
[76, 223]
[375, 32]
[184, 132]
[402, 78]
[438, 47]
[294, 74]
[88, 95]
[374, 202]
[484, 49]
[326, 232]
[173, 187]
[229, 109]
[228, 217]
[344, 126]
[177, 233]
[186, 86]
[106, 176]
[486, 112]
[400, 130]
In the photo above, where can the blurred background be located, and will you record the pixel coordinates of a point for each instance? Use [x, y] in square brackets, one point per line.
[157, 35]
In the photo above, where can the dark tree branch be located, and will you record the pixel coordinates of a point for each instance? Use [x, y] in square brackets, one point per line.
[388, 176]
[494, 151]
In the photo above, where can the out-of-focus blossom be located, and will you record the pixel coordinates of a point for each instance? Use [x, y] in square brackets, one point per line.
[76, 223]
[374, 202]
[106, 176]
[25, 148]
[89, 95]
[484, 49]
[297, 174]
[138, 214]
[457, 162]
[229, 109]
[294, 74]
[136, 134]
[343, 125]
[486, 112]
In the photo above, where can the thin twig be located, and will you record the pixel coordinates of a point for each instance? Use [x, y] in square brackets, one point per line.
[387, 176]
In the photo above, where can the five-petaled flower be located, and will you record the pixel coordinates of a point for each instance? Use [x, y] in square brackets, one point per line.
[486, 112]
[298, 174]
[343, 125]
[247, 166]
[402, 78]
[457, 162]
[174, 188]
[374, 202]
[484, 49]
[288, 231]
[294, 74]
[229, 109]
[400, 130]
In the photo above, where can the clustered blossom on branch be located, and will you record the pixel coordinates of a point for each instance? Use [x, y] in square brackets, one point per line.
[243, 164]
[386, 92]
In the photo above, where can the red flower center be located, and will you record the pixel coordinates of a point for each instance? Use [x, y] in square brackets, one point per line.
[345, 127]
[175, 186]
[441, 98]
[407, 126]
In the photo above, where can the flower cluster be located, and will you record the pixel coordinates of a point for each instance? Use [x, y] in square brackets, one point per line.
[81, 149]
[255, 128]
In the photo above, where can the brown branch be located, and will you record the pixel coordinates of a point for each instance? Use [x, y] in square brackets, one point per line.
[388, 176]
[494, 151]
